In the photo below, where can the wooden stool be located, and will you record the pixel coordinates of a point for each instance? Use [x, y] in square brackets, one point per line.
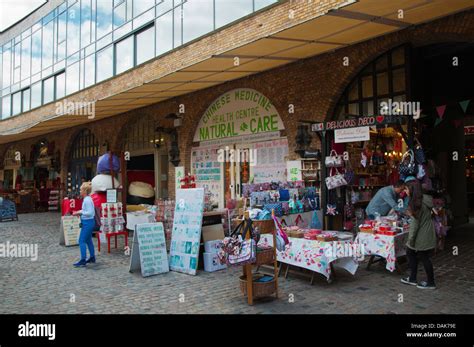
[109, 235]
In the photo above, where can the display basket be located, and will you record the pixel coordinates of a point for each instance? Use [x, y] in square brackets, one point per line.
[265, 256]
[260, 289]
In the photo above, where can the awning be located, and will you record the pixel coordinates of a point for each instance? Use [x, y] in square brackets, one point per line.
[338, 28]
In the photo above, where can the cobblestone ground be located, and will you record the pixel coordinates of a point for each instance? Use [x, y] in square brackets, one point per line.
[46, 285]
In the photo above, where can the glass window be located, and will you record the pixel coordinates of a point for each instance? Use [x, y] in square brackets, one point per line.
[89, 71]
[367, 87]
[73, 28]
[198, 19]
[145, 45]
[124, 55]
[60, 86]
[25, 57]
[48, 90]
[382, 83]
[354, 109]
[105, 64]
[36, 95]
[36, 52]
[164, 6]
[104, 17]
[228, 11]
[178, 25]
[354, 91]
[368, 108]
[6, 74]
[263, 3]
[26, 100]
[141, 6]
[16, 104]
[17, 55]
[164, 33]
[62, 23]
[47, 49]
[72, 78]
[398, 56]
[86, 22]
[120, 14]
[61, 51]
[398, 80]
[6, 107]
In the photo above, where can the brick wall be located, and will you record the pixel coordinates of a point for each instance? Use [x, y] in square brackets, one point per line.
[313, 86]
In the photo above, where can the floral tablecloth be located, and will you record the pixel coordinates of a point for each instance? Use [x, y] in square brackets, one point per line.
[388, 247]
[314, 255]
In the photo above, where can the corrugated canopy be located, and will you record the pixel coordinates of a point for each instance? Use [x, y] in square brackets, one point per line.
[351, 24]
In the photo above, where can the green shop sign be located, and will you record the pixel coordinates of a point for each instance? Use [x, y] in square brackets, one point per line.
[238, 112]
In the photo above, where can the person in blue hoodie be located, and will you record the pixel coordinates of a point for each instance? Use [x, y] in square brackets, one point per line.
[386, 200]
[87, 225]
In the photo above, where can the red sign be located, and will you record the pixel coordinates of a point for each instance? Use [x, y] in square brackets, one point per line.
[469, 130]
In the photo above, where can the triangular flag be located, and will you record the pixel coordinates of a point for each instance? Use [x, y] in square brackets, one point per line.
[440, 110]
[464, 104]
[437, 121]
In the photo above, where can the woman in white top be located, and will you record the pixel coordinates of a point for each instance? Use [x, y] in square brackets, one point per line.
[87, 226]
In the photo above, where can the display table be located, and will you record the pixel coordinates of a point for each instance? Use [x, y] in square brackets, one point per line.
[134, 218]
[317, 256]
[387, 247]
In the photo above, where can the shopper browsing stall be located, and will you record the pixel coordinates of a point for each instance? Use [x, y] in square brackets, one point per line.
[422, 236]
[385, 200]
[87, 225]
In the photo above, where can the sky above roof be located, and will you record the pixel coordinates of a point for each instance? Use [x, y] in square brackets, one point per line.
[11, 11]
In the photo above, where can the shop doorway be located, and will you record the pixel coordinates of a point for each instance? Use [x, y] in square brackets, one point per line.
[83, 160]
[442, 81]
[236, 170]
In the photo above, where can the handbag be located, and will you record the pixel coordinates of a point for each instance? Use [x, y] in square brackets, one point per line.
[335, 181]
[276, 206]
[285, 206]
[239, 250]
[349, 173]
[407, 165]
[284, 194]
[420, 157]
[281, 237]
[334, 160]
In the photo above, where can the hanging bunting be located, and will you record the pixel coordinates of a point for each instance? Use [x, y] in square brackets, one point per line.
[441, 110]
[437, 121]
[464, 104]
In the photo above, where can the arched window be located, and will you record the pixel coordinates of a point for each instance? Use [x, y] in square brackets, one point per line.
[382, 79]
[141, 135]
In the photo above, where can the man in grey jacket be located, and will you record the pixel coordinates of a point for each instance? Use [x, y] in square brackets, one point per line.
[385, 200]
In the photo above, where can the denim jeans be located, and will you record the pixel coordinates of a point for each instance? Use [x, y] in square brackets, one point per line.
[85, 238]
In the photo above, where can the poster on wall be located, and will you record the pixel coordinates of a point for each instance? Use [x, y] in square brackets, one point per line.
[208, 172]
[178, 176]
[70, 226]
[270, 164]
[239, 112]
[186, 235]
[149, 250]
[293, 169]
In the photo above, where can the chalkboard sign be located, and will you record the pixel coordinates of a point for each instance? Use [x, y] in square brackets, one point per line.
[71, 229]
[149, 250]
[186, 234]
[7, 210]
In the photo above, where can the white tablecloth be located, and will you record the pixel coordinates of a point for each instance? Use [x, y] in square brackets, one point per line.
[315, 255]
[134, 218]
[388, 247]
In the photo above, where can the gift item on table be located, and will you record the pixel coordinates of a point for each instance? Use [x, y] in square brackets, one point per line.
[112, 218]
[284, 194]
[312, 234]
[276, 207]
[213, 246]
[327, 236]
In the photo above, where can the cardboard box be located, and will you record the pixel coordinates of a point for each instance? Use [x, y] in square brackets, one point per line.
[213, 246]
[212, 263]
[213, 232]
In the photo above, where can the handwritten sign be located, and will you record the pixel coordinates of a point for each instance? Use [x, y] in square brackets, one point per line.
[186, 235]
[112, 196]
[149, 245]
[352, 134]
[71, 230]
